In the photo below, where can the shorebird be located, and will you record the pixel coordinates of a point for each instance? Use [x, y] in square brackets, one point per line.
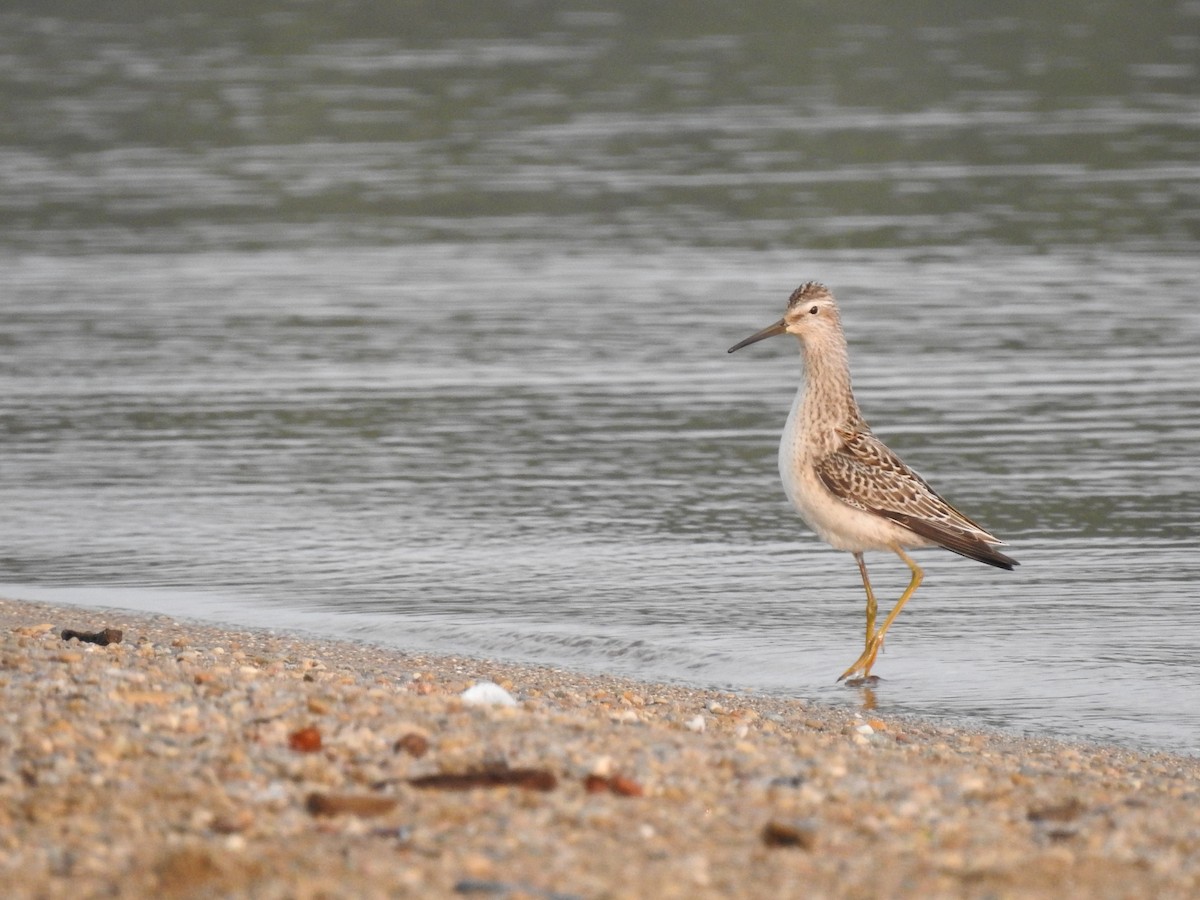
[854, 492]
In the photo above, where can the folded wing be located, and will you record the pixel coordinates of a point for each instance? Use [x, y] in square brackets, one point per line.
[865, 474]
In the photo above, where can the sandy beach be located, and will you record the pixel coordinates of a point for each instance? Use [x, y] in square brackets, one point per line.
[192, 761]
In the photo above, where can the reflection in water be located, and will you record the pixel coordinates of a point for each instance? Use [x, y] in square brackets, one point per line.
[868, 698]
[414, 331]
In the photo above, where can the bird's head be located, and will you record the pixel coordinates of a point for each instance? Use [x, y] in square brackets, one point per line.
[811, 315]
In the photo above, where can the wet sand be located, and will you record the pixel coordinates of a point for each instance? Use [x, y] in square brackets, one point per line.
[194, 761]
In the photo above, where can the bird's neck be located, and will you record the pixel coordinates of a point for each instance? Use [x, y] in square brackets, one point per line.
[827, 399]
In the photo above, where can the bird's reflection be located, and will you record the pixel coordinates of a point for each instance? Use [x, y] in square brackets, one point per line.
[868, 697]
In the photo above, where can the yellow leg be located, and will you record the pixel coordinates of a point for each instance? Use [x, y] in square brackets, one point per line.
[864, 662]
[872, 606]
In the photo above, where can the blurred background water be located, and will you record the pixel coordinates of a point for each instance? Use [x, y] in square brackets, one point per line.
[407, 322]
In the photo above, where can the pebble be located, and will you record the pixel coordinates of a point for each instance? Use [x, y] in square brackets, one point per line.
[487, 693]
[320, 804]
[789, 834]
[414, 743]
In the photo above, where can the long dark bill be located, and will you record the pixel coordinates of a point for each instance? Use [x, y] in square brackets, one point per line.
[769, 331]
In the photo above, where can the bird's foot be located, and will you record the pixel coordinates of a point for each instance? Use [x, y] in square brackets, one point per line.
[863, 664]
[863, 681]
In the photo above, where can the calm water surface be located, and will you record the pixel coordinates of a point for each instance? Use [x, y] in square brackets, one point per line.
[414, 331]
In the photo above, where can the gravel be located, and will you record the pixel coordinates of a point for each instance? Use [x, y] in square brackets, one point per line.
[186, 760]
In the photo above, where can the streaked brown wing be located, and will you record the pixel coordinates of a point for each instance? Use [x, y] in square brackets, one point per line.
[865, 474]
[964, 543]
[879, 482]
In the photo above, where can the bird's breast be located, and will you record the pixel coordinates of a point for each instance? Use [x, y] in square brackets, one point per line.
[804, 444]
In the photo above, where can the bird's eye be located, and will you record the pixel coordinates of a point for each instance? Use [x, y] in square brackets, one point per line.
[813, 311]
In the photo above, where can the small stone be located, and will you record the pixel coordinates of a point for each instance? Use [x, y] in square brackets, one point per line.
[613, 784]
[695, 724]
[305, 740]
[233, 823]
[414, 744]
[317, 706]
[363, 805]
[625, 787]
[104, 637]
[487, 693]
[1065, 811]
[530, 779]
[789, 834]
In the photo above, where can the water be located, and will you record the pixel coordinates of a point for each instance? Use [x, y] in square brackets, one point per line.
[404, 329]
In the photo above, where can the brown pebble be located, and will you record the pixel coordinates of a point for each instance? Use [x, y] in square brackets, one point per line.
[103, 638]
[413, 744]
[615, 784]
[364, 805]
[1056, 812]
[529, 779]
[624, 787]
[233, 823]
[305, 740]
[786, 834]
[317, 706]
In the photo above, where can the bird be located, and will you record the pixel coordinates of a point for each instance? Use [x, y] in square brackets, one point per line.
[850, 488]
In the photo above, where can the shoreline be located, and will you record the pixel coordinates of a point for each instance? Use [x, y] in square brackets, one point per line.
[193, 760]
